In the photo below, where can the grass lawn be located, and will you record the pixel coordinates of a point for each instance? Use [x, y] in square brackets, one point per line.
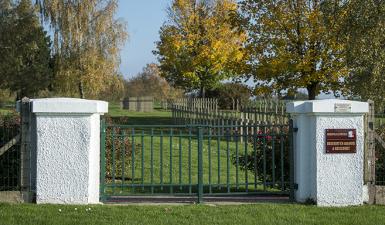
[190, 214]
[115, 110]
[174, 161]
[157, 117]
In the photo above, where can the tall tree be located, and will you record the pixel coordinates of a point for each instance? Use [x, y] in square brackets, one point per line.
[364, 27]
[24, 49]
[150, 83]
[230, 93]
[292, 46]
[86, 44]
[199, 46]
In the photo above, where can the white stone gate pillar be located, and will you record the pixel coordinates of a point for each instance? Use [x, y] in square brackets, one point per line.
[67, 137]
[329, 151]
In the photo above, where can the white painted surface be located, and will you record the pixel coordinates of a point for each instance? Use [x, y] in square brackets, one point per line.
[68, 151]
[68, 105]
[326, 106]
[94, 160]
[328, 179]
[339, 176]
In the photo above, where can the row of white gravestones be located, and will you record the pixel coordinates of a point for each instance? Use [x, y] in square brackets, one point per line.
[328, 150]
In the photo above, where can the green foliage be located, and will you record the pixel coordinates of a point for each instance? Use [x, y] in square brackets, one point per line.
[24, 50]
[113, 90]
[380, 156]
[86, 43]
[293, 45]
[150, 83]
[6, 96]
[267, 144]
[229, 93]
[363, 28]
[9, 161]
[295, 96]
[199, 46]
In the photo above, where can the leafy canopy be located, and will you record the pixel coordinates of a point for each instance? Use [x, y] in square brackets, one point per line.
[24, 50]
[199, 46]
[86, 44]
[364, 28]
[150, 83]
[229, 94]
[292, 45]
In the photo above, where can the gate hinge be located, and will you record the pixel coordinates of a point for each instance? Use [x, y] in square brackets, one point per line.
[295, 186]
[295, 129]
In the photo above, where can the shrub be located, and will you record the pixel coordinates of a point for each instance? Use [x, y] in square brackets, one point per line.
[254, 160]
[229, 92]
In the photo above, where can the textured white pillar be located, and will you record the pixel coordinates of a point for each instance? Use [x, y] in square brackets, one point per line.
[329, 179]
[67, 150]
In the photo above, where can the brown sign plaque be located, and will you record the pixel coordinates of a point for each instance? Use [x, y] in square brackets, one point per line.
[340, 140]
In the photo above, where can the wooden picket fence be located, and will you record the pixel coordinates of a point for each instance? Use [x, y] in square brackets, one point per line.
[207, 112]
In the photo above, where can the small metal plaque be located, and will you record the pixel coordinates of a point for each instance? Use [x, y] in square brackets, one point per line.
[342, 107]
[340, 140]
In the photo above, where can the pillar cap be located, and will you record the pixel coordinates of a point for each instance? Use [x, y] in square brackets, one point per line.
[335, 106]
[68, 106]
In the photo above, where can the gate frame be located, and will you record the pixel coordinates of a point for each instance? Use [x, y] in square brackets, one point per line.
[200, 183]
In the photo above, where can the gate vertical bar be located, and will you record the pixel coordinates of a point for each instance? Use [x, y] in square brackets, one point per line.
[200, 165]
[102, 160]
[25, 178]
[291, 160]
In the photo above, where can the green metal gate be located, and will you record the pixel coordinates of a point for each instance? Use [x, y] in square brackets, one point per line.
[195, 160]
[9, 152]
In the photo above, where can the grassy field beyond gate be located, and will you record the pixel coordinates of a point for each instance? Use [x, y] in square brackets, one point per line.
[277, 214]
[165, 160]
[162, 158]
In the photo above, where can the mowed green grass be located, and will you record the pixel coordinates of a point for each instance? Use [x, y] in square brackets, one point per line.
[276, 214]
[161, 160]
[114, 109]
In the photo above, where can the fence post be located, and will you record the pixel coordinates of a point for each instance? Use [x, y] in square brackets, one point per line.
[200, 165]
[369, 155]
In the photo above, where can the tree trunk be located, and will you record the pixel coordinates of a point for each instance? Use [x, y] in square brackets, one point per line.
[312, 91]
[18, 95]
[81, 90]
[202, 93]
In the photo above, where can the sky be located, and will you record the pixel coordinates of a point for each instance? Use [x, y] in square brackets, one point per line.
[144, 19]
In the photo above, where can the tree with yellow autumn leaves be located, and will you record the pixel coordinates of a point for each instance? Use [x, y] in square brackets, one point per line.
[199, 46]
[87, 40]
[293, 44]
